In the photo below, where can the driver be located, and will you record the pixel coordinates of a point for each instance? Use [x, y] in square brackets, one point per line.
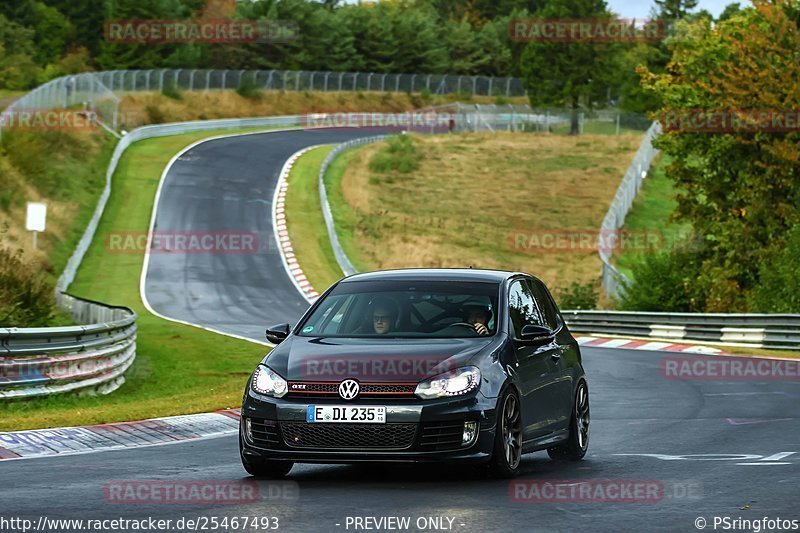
[384, 315]
[478, 314]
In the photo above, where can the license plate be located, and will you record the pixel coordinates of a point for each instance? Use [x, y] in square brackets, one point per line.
[348, 414]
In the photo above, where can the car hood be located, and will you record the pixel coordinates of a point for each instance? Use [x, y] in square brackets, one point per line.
[372, 360]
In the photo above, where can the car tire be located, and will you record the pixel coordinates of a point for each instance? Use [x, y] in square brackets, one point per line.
[507, 452]
[574, 448]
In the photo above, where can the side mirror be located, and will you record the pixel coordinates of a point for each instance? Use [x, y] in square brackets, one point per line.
[276, 334]
[537, 334]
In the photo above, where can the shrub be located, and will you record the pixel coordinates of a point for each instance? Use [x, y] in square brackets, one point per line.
[248, 89]
[666, 281]
[26, 299]
[155, 115]
[171, 90]
[778, 290]
[401, 155]
[577, 296]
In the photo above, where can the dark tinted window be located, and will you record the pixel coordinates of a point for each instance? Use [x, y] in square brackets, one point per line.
[546, 304]
[423, 309]
[522, 307]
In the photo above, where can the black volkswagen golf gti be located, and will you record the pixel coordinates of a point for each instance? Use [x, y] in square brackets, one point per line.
[419, 365]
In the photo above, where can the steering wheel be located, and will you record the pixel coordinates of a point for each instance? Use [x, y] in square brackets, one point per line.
[463, 324]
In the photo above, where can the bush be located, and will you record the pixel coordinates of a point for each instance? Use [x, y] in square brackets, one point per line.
[171, 90]
[666, 281]
[401, 155]
[778, 290]
[155, 115]
[248, 89]
[577, 296]
[26, 299]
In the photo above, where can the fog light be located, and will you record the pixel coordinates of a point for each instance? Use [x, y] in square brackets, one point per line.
[248, 429]
[470, 431]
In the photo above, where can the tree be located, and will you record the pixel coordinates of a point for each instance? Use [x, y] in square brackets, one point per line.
[670, 10]
[571, 73]
[738, 188]
[422, 48]
[729, 11]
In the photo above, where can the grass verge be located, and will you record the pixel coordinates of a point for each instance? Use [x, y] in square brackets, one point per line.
[479, 199]
[650, 213]
[179, 369]
[306, 224]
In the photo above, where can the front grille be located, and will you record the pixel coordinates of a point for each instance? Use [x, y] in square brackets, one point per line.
[309, 389]
[265, 433]
[441, 435]
[341, 436]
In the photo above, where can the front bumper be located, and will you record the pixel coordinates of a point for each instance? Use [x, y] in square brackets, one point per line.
[415, 431]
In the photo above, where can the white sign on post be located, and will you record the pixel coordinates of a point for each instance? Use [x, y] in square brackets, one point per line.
[37, 214]
[35, 219]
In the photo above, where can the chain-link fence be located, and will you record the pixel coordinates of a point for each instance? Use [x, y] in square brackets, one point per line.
[613, 279]
[97, 91]
[490, 117]
[84, 91]
[299, 80]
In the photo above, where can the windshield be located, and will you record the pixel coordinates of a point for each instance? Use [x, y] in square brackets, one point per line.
[407, 309]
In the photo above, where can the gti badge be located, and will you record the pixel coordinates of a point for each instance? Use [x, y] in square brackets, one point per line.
[348, 389]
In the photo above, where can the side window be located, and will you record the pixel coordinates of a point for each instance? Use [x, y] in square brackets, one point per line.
[522, 307]
[546, 304]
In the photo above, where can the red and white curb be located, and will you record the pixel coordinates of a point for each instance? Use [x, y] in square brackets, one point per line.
[296, 273]
[633, 344]
[119, 435]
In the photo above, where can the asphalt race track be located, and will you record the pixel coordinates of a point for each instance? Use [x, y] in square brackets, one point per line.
[635, 411]
[226, 187]
[715, 448]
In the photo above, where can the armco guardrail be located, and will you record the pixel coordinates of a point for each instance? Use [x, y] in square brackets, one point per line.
[42, 361]
[341, 257]
[753, 330]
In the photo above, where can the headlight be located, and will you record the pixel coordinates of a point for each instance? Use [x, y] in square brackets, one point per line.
[455, 383]
[265, 381]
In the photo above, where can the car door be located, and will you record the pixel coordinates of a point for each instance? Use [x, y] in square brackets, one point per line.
[536, 365]
[562, 406]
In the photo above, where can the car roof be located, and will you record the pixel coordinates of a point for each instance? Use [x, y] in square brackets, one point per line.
[434, 274]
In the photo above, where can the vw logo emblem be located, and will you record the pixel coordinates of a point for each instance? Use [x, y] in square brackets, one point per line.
[348, 389]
